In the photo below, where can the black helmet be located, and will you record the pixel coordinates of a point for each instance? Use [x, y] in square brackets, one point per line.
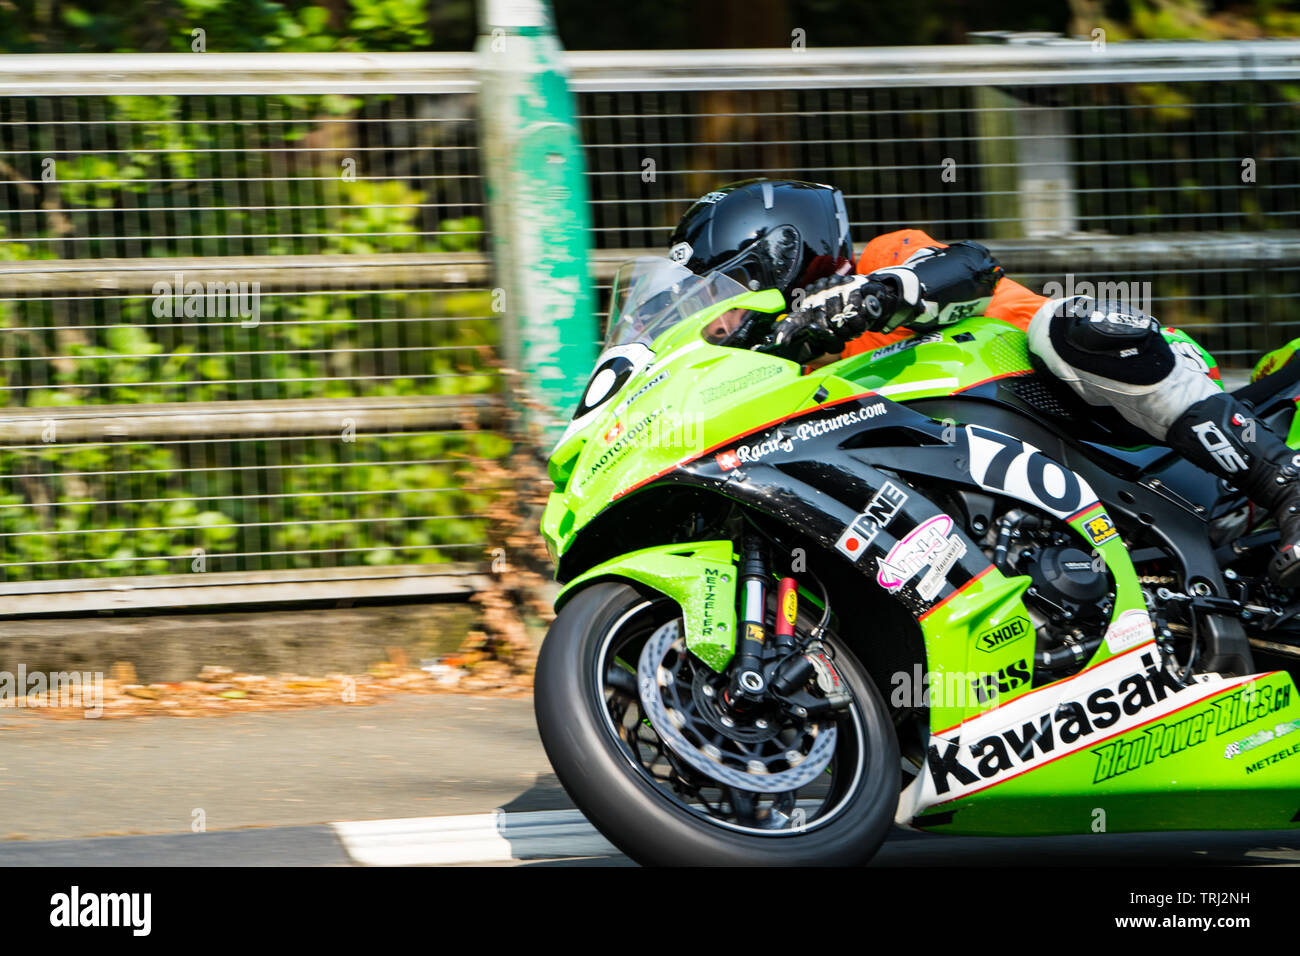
[766, 233]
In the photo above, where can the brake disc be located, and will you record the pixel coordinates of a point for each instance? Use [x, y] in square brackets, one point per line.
[746, 756]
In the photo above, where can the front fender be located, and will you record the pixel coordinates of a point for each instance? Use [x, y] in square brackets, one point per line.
[700, 576]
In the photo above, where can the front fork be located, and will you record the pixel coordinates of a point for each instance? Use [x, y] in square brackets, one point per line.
[702, 578]
[774, 669]
[748, 685]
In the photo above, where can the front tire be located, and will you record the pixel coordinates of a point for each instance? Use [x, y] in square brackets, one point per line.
[647, 817]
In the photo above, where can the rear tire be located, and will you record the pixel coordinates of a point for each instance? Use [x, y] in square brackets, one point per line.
[642, 817]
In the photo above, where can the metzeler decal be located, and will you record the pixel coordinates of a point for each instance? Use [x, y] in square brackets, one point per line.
[1273, 758]
[709, 606]
[862, 530]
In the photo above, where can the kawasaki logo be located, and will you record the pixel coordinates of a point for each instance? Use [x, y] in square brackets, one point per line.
[1029, 731]
[1003, 634]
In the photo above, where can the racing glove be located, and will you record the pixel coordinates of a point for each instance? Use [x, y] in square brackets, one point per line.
[834, 311]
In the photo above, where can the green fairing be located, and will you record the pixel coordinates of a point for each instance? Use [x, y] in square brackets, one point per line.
[1271, 363]
[695, 397]
[700, 576]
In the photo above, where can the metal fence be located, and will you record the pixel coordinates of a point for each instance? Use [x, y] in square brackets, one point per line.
[245, 315]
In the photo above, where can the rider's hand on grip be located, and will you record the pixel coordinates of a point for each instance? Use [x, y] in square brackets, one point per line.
[834, 311]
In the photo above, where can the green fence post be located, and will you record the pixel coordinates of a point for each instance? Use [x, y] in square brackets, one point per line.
[538, 209]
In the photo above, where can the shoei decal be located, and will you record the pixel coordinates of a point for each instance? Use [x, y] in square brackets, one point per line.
[1004, 464]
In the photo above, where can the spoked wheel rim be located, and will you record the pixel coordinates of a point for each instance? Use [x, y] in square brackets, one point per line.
[780, 813]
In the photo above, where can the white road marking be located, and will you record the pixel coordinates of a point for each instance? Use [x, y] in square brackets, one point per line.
[474, 838]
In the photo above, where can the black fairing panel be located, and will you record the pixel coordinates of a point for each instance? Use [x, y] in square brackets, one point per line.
[805, 473]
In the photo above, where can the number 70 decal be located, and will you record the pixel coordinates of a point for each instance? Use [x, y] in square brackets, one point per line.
[1007, 465]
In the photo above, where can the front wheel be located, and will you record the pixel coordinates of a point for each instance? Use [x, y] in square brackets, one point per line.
[690, 799]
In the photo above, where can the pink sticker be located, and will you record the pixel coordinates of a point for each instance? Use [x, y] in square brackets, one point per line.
[913, 552]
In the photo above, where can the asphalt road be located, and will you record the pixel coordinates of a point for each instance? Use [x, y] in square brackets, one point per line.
[263, 787]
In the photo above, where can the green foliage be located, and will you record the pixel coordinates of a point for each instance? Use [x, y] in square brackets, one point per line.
[192, 170]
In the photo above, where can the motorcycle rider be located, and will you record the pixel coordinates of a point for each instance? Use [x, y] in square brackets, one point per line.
[794, 236]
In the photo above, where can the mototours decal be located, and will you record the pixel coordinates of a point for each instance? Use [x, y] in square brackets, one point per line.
[862, 530]
[1055, 721]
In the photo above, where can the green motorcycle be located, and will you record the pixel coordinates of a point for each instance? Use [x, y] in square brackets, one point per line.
[924, 585]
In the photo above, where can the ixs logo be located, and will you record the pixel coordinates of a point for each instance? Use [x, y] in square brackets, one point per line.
[996, 638]
[958, 311]
[1106, 702]
[988, 687]
[862, 530]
